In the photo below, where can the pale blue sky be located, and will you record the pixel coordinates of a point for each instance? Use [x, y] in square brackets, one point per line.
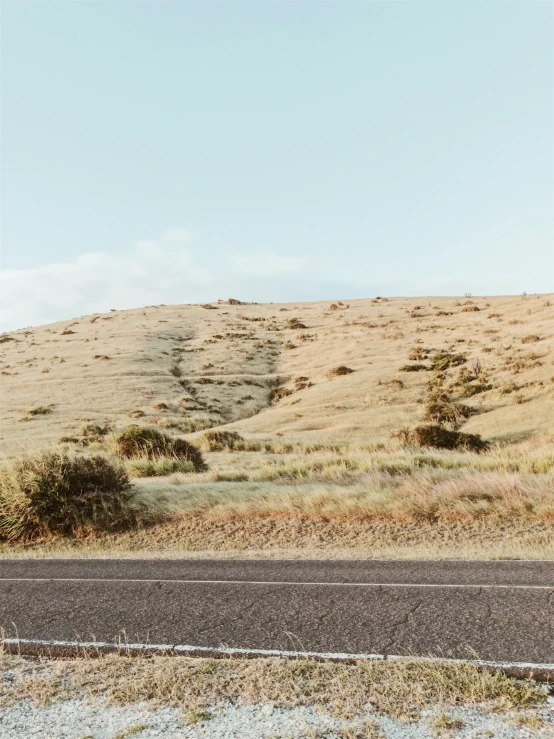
[306, 150]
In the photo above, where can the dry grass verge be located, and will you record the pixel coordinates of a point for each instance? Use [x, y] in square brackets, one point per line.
[395, 688]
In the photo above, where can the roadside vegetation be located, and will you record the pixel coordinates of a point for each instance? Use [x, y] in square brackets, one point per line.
[397, 688]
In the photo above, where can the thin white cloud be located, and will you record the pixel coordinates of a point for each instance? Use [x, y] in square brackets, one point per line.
[151, 272]
[265, 264]
[179, 235]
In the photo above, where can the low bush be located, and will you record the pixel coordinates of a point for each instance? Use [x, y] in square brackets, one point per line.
[443, 360]
[414, 368]
[94, 430]
[474, 388]
[278, 393]
[221, 441]
[301, 383]
[440, 409]
[340, 370]
[141, 441]
[60, 493]
[433, 435]
[294, 323]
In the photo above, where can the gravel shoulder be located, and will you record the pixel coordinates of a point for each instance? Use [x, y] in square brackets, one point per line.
[81, 719]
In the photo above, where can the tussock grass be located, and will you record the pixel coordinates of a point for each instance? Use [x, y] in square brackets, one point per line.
[135, 441]
[402, 688]
[58, 493]
[158, 466]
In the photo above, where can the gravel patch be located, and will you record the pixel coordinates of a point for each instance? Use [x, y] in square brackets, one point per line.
[80, 719]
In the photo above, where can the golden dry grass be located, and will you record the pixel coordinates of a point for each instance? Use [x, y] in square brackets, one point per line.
[399, 688]
[315, 471]
[219, 366]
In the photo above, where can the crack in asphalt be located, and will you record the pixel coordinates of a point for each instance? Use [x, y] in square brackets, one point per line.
[404, 622]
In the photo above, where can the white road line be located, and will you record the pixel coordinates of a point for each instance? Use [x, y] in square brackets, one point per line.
[280, 582]
[192, 650]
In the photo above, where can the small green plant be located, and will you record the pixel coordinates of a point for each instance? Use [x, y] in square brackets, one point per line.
[198, 715]
[444, 722]
[60, 493]
[530, 721]
[131, 731]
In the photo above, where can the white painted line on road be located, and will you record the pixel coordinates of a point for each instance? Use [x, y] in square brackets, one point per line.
[279, 582]
[192, 650]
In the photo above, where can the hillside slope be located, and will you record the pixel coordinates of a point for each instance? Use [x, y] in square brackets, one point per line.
[191, 367]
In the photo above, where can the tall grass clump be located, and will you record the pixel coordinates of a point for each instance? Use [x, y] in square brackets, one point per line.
[57, 493]
[221, 441]
[142, 442]
[158, 467]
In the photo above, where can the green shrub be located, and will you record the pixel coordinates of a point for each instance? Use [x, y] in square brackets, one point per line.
[59, 493]
[141, 441]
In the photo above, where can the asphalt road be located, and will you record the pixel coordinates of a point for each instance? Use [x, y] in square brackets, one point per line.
[500, 611]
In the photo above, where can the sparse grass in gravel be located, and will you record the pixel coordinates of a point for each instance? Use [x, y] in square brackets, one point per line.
[400, 688]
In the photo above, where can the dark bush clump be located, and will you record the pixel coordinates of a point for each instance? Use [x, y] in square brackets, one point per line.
[141, 441]
[443, 360]
[221, 441]
[278, 393]
[434, 435]
[295, 324]
[413, 367]
[474, 388]
[340, 370]
[58, 493]
[440, 409]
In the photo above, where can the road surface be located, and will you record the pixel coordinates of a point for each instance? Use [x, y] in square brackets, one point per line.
[498, 611]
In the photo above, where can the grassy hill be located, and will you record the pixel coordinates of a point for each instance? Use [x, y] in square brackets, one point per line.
[190, 367]
[324, 397]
